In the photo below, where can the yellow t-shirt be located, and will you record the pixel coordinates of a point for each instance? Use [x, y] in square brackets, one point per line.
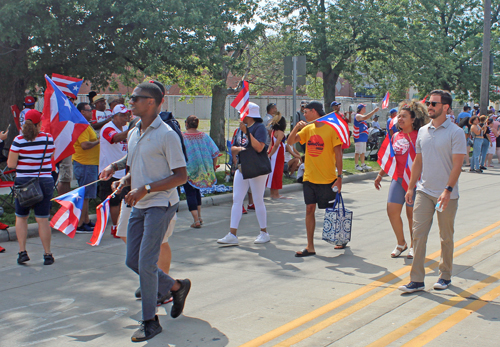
[320, 155]
[89, 156]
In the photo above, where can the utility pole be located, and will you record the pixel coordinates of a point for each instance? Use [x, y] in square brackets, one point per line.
[485, 71]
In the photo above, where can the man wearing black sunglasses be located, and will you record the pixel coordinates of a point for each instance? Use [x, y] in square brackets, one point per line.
[440, 148]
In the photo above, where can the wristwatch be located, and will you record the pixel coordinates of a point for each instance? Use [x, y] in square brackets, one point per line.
[148, 188]
[339, 176]
[449, 188]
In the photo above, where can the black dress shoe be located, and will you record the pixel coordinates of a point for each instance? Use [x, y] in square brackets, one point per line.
[179, 297]
[148, 330]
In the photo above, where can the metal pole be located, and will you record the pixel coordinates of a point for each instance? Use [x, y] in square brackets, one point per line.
[485, 73]
[294, 87]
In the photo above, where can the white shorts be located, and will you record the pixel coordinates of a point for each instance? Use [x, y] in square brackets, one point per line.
[492, 149]
[360, 147]
[125, 212]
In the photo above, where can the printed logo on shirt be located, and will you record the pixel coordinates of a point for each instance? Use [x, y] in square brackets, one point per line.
[315, 145]
[401, 146]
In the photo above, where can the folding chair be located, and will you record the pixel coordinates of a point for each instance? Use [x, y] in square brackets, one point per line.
[5, 183]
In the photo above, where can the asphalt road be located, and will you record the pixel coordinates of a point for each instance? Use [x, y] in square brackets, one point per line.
[254, 295]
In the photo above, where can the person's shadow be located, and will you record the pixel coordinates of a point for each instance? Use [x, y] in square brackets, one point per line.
[279, 256]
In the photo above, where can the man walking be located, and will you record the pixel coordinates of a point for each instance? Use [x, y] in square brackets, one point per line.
[157, 167]
[440, 148]
[100, 116]
[360, 134]
[322, 163]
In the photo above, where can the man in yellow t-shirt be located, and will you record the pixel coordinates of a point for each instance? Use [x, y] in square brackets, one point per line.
[86, 167]
[323, 161]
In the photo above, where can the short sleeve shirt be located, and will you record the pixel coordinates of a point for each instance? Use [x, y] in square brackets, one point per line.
[109, 151]
[259, 132]
[437, 146]
[152, 157]
[403, 144]
[88, 156]
[99, 116]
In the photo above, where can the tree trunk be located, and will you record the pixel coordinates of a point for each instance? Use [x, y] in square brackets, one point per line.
[329, 82]
[219, 94]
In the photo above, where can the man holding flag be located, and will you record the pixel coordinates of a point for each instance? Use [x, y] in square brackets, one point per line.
[323, 162]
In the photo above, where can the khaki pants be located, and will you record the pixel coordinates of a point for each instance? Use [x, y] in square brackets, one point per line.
[423, 213]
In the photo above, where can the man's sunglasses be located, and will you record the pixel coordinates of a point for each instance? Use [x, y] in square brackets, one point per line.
[433, 103]
[135, 98]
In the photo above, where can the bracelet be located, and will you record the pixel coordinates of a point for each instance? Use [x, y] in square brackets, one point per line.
[379, 175]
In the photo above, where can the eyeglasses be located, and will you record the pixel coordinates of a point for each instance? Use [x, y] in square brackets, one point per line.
[135, 98]
[433, 103]
[87, 110]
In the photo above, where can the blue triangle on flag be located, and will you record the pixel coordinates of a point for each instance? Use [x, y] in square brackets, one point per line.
[74, 87]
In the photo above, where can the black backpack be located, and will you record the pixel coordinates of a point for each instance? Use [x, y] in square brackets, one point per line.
[169, 119]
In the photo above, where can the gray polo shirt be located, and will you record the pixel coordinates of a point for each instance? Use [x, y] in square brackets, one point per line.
[437, 146]
[151, 157]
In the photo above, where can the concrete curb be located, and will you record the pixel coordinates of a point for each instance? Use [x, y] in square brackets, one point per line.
[10, 234]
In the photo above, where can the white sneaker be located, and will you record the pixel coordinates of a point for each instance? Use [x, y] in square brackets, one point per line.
[359, 168]
[366, 167]
[262, 238]
[229, 239]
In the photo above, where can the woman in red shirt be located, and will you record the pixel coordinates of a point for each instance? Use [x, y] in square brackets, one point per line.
[411, 116]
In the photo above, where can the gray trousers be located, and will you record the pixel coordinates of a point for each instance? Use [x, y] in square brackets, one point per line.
[146, 229]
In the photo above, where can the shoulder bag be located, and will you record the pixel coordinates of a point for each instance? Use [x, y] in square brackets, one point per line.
[254, 164]
[338, 223]
[30, 193]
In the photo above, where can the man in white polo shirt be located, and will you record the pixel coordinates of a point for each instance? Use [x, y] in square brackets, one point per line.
[440, 151]
[113, 142]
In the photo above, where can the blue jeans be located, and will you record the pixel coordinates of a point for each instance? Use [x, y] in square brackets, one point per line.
[484, 150]
[86, 174]
[476, 153]
[146, 229]
[42, 209]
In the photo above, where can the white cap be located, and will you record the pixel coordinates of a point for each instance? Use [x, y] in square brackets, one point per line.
[120, 108]
[253, 110]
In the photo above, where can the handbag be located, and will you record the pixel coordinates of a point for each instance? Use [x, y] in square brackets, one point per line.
[30, 193]
[254, 164]
[338, 223]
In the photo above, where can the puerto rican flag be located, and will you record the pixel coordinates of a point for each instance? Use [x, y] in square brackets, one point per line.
[102, 212]
[338, 124]
[241, 101]
[66, 219]
[385, 102]
[386, 158]
[62, 120]
[70, 86]
[409, 163]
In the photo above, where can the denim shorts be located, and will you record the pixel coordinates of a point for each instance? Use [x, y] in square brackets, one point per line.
[397, 193]
[86, 174]
[42, 209]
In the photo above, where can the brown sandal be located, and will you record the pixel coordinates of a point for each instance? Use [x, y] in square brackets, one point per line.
[196, 225]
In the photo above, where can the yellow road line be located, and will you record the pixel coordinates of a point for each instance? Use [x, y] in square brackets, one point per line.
[424, 318]
[454, 319]
[365, 302]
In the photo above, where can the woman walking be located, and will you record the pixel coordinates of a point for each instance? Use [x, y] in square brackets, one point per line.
[26, 156]
[202, 154]
[252, 132]
[465, 125]
[276, 154]
[477, 135]
[412, 115]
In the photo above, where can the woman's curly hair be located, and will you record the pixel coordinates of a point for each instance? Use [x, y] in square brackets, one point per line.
[418, 112]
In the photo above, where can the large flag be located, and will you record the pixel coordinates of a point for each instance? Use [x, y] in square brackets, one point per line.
[66, 219]
[409, 163]
[338, 124]
[15, 113]
[385, 102]
[241, 101]
[70, 86]
[386, 158]
[102, 212]
[62, 120]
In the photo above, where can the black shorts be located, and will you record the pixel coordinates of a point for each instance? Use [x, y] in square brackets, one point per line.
[319, 194]
[105, 190]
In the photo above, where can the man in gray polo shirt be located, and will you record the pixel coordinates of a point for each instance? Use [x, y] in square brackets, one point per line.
[440, 151]
[157, 167]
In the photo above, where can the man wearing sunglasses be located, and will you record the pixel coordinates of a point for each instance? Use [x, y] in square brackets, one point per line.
[157, 167]
[440, 149]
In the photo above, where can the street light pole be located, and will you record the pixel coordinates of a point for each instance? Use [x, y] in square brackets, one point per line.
[485, 71]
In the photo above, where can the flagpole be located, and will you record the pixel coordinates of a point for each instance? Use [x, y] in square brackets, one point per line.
[57, 197]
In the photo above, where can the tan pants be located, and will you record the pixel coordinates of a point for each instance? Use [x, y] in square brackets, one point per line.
[423, 213]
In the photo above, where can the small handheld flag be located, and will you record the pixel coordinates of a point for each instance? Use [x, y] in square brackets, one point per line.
[102, 212]
[385, 102]
[66, 219]
[338, 124]
[386, 158]
[241, 101]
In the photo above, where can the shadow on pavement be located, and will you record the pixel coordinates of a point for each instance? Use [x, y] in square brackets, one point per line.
[346, 259]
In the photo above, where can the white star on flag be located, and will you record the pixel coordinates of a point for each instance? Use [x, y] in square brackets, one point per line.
[67, 104]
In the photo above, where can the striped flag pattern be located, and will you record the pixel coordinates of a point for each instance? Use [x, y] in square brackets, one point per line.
[338, 124]
[241, 101]
[70, 86]
[386, 158]
[102, 212]
[385, 102]
[407, 172]
[356, 132]
[66, 219]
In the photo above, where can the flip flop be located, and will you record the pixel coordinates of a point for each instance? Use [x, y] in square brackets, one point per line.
[304, 253]
[339, 247]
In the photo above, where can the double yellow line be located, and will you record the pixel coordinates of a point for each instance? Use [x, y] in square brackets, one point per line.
[356, 294]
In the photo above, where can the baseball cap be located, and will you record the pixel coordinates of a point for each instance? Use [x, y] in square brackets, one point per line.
[113, 98]
[335, 103]
[98, 97]
[303, 103]
[393, 110]
[317, 106]
[34, 116]
[360, 107]
[120, 108]
[29, 100]
[476, 105]
[376, 116]
[253, 110]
